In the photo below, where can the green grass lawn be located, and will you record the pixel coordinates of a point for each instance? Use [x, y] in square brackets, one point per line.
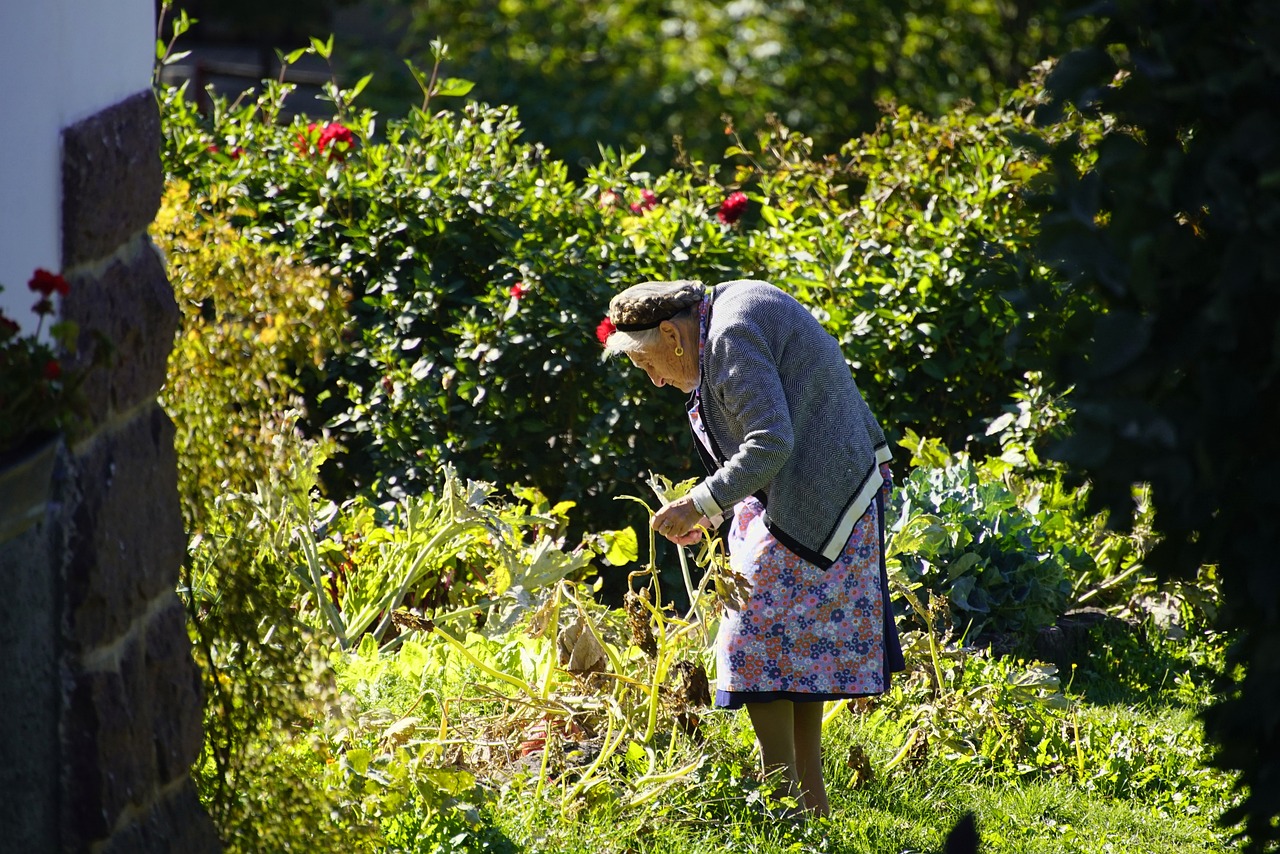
[1112, 762]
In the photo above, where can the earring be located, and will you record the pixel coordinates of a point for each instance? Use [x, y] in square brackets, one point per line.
[679, 351]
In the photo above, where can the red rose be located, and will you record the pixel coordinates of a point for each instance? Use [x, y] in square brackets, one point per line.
[518, 290]
[732, 208]
[604, 330]
[52, 370]
[647, 202]
[46, 283]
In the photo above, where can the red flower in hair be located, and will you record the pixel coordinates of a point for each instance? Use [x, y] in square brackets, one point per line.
[604, 330]
[732, 208]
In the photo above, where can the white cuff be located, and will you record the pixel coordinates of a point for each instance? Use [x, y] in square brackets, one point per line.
[702, 499]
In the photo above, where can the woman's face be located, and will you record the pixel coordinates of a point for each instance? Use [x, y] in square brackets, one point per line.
[663, 366]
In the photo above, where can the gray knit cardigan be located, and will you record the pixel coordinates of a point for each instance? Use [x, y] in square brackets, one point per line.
[785, 420]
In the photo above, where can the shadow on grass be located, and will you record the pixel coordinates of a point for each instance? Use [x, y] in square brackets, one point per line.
[1107, 661]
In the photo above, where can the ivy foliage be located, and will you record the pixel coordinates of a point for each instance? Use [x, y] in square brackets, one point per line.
[1174, 229]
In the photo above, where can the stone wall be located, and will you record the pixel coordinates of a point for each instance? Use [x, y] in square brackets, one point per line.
[126, 690]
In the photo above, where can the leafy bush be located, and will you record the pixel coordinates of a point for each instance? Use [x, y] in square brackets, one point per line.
[479, 270]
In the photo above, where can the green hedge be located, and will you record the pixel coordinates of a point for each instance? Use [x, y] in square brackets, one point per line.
[478, 272]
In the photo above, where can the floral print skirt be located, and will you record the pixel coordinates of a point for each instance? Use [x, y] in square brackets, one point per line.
[806, 634]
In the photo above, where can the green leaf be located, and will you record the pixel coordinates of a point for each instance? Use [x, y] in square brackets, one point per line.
[323, 48]
[368, 649]
[450, 781]
[961, 565]
[355, 90]
[453, 87]
[358, 759]
[622, 547]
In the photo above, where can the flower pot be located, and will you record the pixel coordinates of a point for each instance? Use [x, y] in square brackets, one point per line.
[26, 482]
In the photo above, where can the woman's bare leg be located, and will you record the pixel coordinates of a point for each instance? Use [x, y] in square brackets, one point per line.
[807, 722]
[775, 727]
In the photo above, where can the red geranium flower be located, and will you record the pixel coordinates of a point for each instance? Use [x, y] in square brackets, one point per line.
[52, 370]
[604, 330]
[518, 290]
[46, 283]
[647, 202]
[8, 327]
[732, 208]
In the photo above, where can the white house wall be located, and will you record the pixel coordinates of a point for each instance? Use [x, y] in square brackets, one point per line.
[61, 61]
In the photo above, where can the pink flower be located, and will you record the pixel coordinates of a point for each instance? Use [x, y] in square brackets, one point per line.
[647, 202]
[732, 208]
[46, 283]
[604, 330]
[518, 290]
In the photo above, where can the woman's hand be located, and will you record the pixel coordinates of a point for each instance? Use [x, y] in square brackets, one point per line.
[679, 522]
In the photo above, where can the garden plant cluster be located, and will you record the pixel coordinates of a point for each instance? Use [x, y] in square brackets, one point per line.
[426, 620]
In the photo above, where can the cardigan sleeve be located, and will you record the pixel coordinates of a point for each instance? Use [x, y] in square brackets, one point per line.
[741, 372]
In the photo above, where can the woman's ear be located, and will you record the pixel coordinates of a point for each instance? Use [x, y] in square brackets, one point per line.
[670, 333]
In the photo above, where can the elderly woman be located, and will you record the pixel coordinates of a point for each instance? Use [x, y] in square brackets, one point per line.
[791, 447]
